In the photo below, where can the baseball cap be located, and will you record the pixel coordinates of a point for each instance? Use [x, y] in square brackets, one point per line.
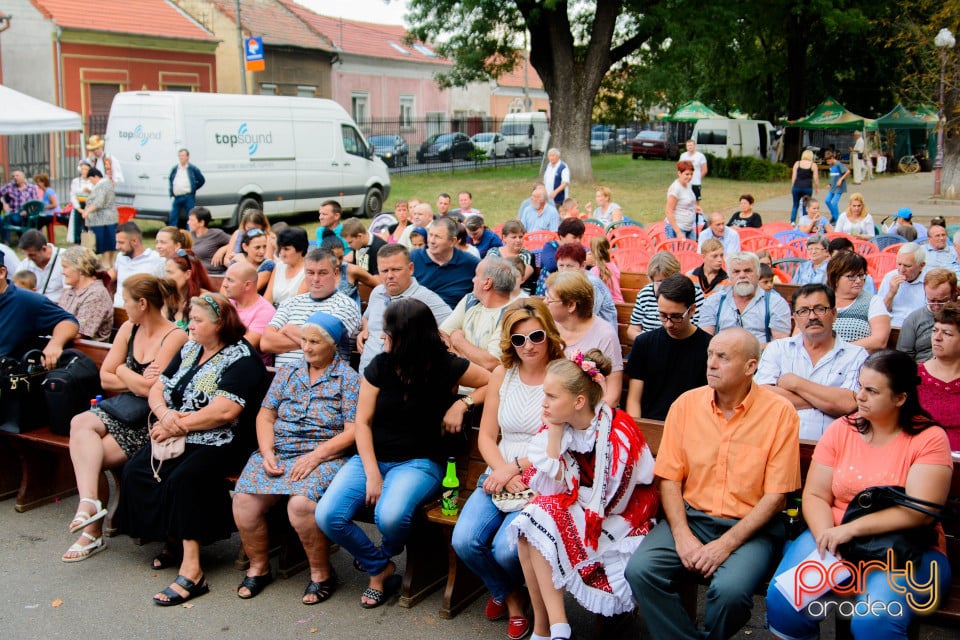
[904, 213]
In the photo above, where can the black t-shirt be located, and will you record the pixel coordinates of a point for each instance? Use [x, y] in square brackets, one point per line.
[407, 421]
[366, 258]
[754, 221]
[668, 367]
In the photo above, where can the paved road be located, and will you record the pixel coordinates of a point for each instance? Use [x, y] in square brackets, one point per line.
[883, 196]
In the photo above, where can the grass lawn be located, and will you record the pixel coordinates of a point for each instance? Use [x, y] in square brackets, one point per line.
[639, 186]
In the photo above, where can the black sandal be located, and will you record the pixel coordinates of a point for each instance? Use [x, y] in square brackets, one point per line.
[391, 587]
[254, 584]
[166, 559]
[323, 590]
[194, 590]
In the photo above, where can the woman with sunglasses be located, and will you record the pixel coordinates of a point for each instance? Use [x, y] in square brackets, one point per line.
[570, 300]
[511, 413]
[254, 248]
[191, 277]
[862, 318]
[209, 394]
[252, 219]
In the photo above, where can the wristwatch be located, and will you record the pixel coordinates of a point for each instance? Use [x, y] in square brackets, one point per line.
[468, 400]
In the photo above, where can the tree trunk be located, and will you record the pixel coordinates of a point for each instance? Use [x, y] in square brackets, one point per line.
[950, 178]
[570, 121]
[797, 30]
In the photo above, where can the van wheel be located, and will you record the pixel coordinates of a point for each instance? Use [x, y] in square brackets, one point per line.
[246, 204]
[372, 203]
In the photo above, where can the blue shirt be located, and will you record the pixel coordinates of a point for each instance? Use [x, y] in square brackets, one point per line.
[809, 274]
[25, 314]
[488, 240]
[548, 220]
[451, 280]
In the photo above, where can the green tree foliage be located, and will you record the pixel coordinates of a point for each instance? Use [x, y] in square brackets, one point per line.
[572, 46]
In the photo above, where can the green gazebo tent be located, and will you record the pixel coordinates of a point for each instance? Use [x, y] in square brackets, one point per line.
[830, 114]
[908, 130]
[693, 111]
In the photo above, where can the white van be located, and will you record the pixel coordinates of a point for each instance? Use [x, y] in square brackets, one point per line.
[272, 153]
[724, 137]
[526, 133]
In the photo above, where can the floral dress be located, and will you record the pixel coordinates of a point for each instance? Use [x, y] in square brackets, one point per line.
[307, 415]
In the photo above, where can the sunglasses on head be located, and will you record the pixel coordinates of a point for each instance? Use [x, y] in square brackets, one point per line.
[253, 233]
[535, 337]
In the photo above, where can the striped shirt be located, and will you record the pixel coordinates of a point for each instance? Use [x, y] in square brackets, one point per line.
[646, 314]
[297, 309]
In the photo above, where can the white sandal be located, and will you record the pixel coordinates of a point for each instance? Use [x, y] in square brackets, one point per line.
[83, 552]
[83, 518]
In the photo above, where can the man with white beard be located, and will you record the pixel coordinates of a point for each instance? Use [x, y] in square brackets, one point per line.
[765, 314]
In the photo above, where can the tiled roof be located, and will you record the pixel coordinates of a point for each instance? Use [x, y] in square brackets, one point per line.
[366, 38]
[515, 78]
[139, 17]
[276, 23]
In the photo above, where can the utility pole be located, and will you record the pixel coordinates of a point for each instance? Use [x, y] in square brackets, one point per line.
[243, 51]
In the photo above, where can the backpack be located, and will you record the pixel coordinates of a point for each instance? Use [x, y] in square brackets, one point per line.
[69, 388]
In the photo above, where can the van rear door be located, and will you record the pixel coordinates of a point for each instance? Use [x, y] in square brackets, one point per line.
[318, 168]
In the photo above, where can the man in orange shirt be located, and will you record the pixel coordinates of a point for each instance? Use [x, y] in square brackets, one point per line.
[730, 452]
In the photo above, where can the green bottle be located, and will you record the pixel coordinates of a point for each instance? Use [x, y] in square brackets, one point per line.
[451, 489]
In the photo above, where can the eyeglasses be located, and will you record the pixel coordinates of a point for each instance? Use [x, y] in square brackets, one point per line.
[674, 318]
[818, 310]
[182, 253]
[853, 277]
[213, 304]
[535, 337]
[550, 300]
[936, 305]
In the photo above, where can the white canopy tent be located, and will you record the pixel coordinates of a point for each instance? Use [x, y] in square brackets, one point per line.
[21, 114]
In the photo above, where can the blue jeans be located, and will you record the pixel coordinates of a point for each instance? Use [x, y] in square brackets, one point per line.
[406, 486]
[786, 622]
[480, 539]
[833, 203]
[183, 204]
[672, 233]
[798, 193]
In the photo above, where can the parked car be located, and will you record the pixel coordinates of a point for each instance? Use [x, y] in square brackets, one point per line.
[654, 144]
[392, 149]
[494, 144]
[624, 136]
[603, 142]
[445, 147]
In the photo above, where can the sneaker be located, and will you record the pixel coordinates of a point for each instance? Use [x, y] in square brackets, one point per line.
[518, 627]
[495, 610]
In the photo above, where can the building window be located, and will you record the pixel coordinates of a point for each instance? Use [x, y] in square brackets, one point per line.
[101, 97]
[178, 87]
[406, 112]
[360, 106]
[306, 91]
[268, 89]
[516, 106]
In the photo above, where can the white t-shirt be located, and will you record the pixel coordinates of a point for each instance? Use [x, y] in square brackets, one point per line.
[686, 210]
[53, 271]
[147, 262]
[699, 161]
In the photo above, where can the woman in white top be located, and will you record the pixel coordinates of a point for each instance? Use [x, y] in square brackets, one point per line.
[606, 212]
[80, 188]
[682, 206]
[855, 220]
[512, 410]
[287, 278]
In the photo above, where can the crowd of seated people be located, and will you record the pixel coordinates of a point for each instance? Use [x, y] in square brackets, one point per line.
[441, 335]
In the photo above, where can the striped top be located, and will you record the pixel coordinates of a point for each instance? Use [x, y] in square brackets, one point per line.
[297, 309]
[520, 415]
[646, 314]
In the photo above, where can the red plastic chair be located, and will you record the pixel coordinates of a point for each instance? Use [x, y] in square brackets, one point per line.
[589, 235]
[863, 247]
[534, 240]
[631, 242]
[594, 228]
[633, 260]
[629, 230]
[758, 242]
[782, 275]
[799, 247]
[771, 228]
[892, 248]
[126, 213]
[788, 266]
[688, 260]
[749, 232]
[498, 230]
[880, 264]
[657, 228]
[780, 252]
[676, 245]
[56, 221]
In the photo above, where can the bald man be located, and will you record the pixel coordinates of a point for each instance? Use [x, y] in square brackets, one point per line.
[240, 286]
[721, 497]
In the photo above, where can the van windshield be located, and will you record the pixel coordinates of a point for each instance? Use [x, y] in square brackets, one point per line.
[515, 129]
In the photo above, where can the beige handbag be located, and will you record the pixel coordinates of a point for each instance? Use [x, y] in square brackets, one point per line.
[168, 449]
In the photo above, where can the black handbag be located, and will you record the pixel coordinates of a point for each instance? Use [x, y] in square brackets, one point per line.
[130, 409]
[69, 389]
[908, 545]
[22, 403]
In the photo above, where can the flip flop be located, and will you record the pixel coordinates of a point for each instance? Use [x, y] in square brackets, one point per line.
[323, 590]
[391, 586]
[84, 518]
[194, 590]
[254, 584]
[84, 551]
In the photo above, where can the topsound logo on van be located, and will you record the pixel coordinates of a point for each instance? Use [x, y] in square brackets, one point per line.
[140, 135]
[243, 136]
